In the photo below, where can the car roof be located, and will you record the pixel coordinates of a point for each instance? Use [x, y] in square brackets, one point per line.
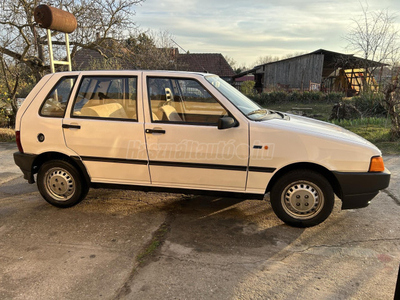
[122, 72]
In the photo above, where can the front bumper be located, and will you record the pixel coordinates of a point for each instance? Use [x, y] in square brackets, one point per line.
[25, 163]
[358, 189]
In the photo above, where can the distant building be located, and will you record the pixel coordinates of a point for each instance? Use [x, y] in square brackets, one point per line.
[319, 70]
[214, 63]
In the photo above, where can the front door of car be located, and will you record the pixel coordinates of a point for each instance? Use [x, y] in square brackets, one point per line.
[104, 128]
[185, 147]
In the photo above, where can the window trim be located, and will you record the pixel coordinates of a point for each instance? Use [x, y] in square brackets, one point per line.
[52, 90]
[104, 118]
[184, 122]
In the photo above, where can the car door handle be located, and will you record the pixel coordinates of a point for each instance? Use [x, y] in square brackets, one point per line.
[71, 126]
[162, 131]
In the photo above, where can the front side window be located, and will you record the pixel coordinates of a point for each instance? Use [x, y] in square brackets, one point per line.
[107, 97]
[182, 101]
[56, 101]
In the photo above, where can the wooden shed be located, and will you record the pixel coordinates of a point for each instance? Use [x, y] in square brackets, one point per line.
[318, 70]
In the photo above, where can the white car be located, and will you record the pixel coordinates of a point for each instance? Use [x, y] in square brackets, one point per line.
[189, 133]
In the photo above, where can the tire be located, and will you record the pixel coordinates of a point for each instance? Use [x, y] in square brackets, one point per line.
[61, 184]
[302, 198]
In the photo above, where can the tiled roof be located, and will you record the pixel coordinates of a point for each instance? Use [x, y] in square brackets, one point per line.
[84, 57]
[205, 62]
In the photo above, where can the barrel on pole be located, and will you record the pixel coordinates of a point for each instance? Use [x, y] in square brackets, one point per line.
[56, 19]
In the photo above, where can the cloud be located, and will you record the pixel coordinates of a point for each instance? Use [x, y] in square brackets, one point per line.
[246, 30]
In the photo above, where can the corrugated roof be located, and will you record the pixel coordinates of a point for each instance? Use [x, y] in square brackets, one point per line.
[336, 60]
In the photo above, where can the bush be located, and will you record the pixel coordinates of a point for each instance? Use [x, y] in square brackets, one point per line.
[7, 135]
[370, 104]
[247, 87]
[334, 97]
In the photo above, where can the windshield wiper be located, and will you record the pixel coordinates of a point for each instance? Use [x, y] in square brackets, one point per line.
[258, 111]
[278, 113]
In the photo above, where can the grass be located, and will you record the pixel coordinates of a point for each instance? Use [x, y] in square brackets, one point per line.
[375, 130]
[155, 243]
[7, 135]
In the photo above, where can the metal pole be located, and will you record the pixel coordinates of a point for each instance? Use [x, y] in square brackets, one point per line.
[68, 52]
[50, 51]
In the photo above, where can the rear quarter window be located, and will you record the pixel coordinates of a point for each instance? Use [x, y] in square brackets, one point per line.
[56, 101]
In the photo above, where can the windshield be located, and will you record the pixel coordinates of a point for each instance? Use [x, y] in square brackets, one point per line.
[245, 105]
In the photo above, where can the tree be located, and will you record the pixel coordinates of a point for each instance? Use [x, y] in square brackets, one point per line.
[22, 42]
[151, 50]
[262, 60]
[392, 101]
[235, 67]
[374, 36]
[230, 61]
[143, 50]
[247, 87]
[290, 55]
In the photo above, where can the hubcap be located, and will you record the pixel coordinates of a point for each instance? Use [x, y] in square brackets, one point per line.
[60, 184]
[302, 200]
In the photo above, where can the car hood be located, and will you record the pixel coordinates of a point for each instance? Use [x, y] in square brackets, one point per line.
[319, 128]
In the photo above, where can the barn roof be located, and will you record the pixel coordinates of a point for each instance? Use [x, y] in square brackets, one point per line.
[335, 60]
[332, 61]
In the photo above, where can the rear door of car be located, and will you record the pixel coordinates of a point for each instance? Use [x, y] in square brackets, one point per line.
[104, 126]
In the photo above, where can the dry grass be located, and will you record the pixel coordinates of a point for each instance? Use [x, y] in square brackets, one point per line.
[7, 135]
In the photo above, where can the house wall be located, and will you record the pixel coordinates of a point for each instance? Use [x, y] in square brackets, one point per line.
[294, 73]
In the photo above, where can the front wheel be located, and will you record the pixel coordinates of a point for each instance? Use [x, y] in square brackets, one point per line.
[61, 184]
[302, 198]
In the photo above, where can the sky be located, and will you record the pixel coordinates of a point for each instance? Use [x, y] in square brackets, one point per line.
[245, 30]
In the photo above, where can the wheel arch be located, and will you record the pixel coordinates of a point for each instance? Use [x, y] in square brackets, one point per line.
[74, 161]
[308, 166]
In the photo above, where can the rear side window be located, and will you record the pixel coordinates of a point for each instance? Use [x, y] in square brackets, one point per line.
[106, 97]
[55, 103]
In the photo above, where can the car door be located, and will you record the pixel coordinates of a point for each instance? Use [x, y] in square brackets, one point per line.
[105, 128]
[185, 147]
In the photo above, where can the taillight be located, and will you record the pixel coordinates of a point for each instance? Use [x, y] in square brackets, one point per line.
[18, 140]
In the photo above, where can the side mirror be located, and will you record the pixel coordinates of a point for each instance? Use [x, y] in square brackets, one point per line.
[226, 122]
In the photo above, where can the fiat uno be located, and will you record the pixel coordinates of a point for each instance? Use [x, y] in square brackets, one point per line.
[188, 133]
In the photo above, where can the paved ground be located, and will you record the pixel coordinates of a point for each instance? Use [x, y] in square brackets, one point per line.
[133, 245]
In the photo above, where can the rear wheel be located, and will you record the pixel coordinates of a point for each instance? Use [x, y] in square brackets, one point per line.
[302, 198]
[61, 184]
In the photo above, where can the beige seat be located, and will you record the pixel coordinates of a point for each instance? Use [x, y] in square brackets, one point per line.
[109, 110]
[171, 113]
